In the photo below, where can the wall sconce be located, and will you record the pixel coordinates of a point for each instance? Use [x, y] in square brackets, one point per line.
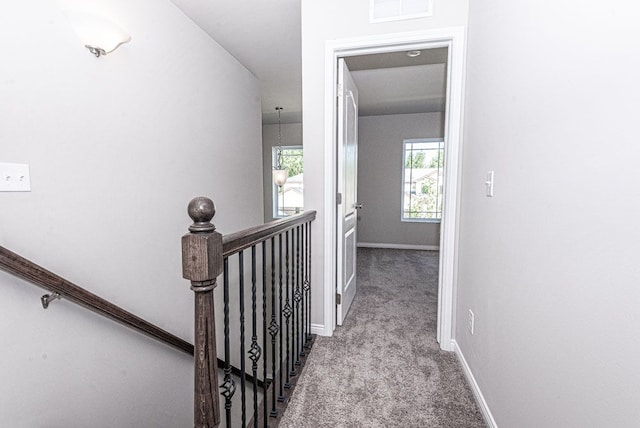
[98, 34]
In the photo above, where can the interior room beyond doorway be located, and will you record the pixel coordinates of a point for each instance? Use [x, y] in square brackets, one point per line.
[402, 96]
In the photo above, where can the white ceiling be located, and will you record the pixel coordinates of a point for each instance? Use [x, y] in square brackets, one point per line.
[264, 35]
[394, 83]
[401, 90]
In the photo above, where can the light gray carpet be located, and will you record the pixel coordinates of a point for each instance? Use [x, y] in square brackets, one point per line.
[383, 367]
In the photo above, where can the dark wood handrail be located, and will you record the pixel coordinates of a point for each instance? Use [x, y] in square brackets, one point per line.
[235, 242]
[31, 272]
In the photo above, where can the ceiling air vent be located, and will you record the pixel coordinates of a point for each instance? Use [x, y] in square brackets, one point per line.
[395, 10]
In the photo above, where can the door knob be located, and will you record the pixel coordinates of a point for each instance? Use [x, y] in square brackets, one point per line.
[357, 206]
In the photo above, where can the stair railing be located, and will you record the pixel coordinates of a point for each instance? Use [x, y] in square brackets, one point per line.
[61, 288]
[280, 338]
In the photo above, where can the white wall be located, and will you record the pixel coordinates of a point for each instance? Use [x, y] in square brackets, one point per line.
[380, 146]
[550, 264]
[117, 148]
[291, 136]
[330, 20]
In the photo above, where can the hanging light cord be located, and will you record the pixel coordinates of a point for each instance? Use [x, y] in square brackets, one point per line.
[279, 161]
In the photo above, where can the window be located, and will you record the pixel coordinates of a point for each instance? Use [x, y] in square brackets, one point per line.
[422, 179]
[288, 199]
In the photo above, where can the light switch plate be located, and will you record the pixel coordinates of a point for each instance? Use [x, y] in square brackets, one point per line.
[489, 184]
[14, 177]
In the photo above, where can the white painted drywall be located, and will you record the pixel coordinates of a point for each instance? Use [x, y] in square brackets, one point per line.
[291, 136]
[380, 146]
[550, 264]
[321, 22]
[117, 147]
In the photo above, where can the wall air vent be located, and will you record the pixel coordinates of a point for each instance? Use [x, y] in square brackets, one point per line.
[395, 10]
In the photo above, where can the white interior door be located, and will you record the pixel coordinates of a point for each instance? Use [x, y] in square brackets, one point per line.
[347, 190]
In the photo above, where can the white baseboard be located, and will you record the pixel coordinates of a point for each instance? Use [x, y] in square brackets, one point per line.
[482, 404]
[320, 330]
[398, 246]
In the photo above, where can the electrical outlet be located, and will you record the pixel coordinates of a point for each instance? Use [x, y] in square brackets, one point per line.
[471, 322]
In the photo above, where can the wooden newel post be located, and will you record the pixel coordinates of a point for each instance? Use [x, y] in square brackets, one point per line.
[201, 264]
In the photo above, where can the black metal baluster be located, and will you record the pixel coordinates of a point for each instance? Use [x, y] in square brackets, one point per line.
[293, 302]
[297, 298]
[228, 387]
[255, 351]
[303, 322]
[243, 382]
[264, 329]
[293, 371]
[308, 282]
[287, 312]
[281, 397]
[273, 328]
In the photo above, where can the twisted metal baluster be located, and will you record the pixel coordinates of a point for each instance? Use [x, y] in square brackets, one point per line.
[293, 300]
[254, 351]
[303, 305]
[281, 396]
[273, 328]
[243, 370]
[264, 328]
[228, 387]
[298, 297]
[287, 312]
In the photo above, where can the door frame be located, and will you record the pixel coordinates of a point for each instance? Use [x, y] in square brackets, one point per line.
[454, 39]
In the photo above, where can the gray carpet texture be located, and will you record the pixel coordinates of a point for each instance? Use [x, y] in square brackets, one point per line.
[383, 367]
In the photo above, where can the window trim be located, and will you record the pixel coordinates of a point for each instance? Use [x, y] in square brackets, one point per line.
[404, 149]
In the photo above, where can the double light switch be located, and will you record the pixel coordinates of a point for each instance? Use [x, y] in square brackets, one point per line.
[14, 177]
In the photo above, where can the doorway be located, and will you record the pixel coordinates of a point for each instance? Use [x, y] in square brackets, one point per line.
[452, 39]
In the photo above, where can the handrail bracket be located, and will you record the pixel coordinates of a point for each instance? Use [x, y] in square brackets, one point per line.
[48, 298]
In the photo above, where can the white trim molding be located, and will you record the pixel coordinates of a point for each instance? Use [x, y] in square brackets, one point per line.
[320, 330]
[398, 246]
[477, 393]
[454, 40]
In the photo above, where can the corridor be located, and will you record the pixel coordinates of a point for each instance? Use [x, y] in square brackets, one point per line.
[384, 367]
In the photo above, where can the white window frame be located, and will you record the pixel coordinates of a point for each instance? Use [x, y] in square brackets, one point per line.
[274, 188]
[440, 186]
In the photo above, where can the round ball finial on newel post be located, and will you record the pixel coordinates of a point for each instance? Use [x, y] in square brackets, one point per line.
[201, 210]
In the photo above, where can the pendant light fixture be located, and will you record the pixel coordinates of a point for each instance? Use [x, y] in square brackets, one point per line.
[279, 173]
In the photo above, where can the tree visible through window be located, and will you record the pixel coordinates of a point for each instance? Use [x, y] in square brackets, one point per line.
[288, 199]
[423, 176]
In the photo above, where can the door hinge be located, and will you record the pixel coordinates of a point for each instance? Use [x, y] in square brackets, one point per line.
[340, 90]
[338, 299]
[339, 198]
